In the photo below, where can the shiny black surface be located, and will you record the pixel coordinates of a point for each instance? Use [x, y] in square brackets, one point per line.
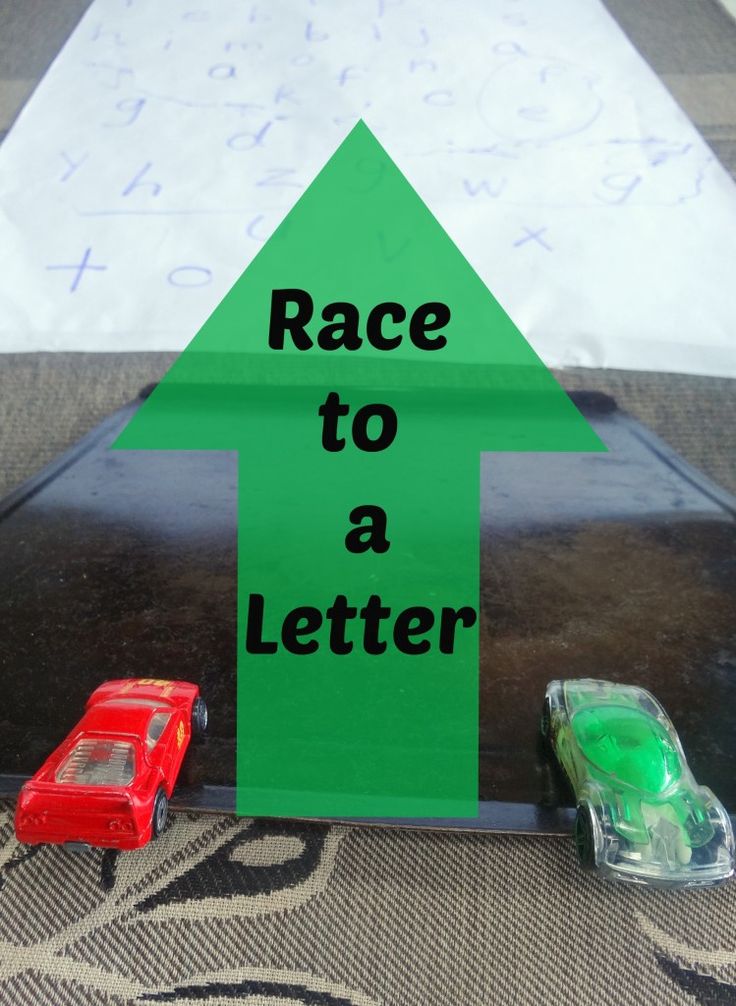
[620, 566]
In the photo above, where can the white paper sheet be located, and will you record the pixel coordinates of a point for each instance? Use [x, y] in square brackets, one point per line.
[170, 137]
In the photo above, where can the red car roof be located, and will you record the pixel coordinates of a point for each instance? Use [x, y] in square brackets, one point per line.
[117, 719]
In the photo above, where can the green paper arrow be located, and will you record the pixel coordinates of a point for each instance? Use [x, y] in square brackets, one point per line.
[359, 733]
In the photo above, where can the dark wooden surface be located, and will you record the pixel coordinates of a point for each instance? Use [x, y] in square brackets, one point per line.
[618, 566]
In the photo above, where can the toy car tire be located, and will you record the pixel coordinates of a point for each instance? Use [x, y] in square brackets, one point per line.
[200, 717]
[160, 813]
[546, 717]
[585, 836]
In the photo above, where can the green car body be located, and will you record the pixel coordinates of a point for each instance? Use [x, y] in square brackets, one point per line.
[641, 814]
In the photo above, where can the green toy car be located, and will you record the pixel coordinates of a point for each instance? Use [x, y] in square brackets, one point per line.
[641, 816]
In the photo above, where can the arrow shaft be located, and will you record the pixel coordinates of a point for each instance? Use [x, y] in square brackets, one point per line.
[358, 673]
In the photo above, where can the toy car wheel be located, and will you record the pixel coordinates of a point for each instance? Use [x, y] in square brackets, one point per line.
[160, 813]
[546, 721]
[585, 836]
[199, 717]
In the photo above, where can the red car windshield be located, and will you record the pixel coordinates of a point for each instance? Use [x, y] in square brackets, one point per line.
[98, 762]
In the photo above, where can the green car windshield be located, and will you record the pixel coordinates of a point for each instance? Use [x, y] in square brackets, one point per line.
[629, 745]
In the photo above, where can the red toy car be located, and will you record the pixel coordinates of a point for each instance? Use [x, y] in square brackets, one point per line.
[108, 784]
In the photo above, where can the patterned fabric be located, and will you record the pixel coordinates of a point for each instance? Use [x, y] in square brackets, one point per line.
[222, 911]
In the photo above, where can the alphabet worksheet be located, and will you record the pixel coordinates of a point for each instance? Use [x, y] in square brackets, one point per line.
[170, 137]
